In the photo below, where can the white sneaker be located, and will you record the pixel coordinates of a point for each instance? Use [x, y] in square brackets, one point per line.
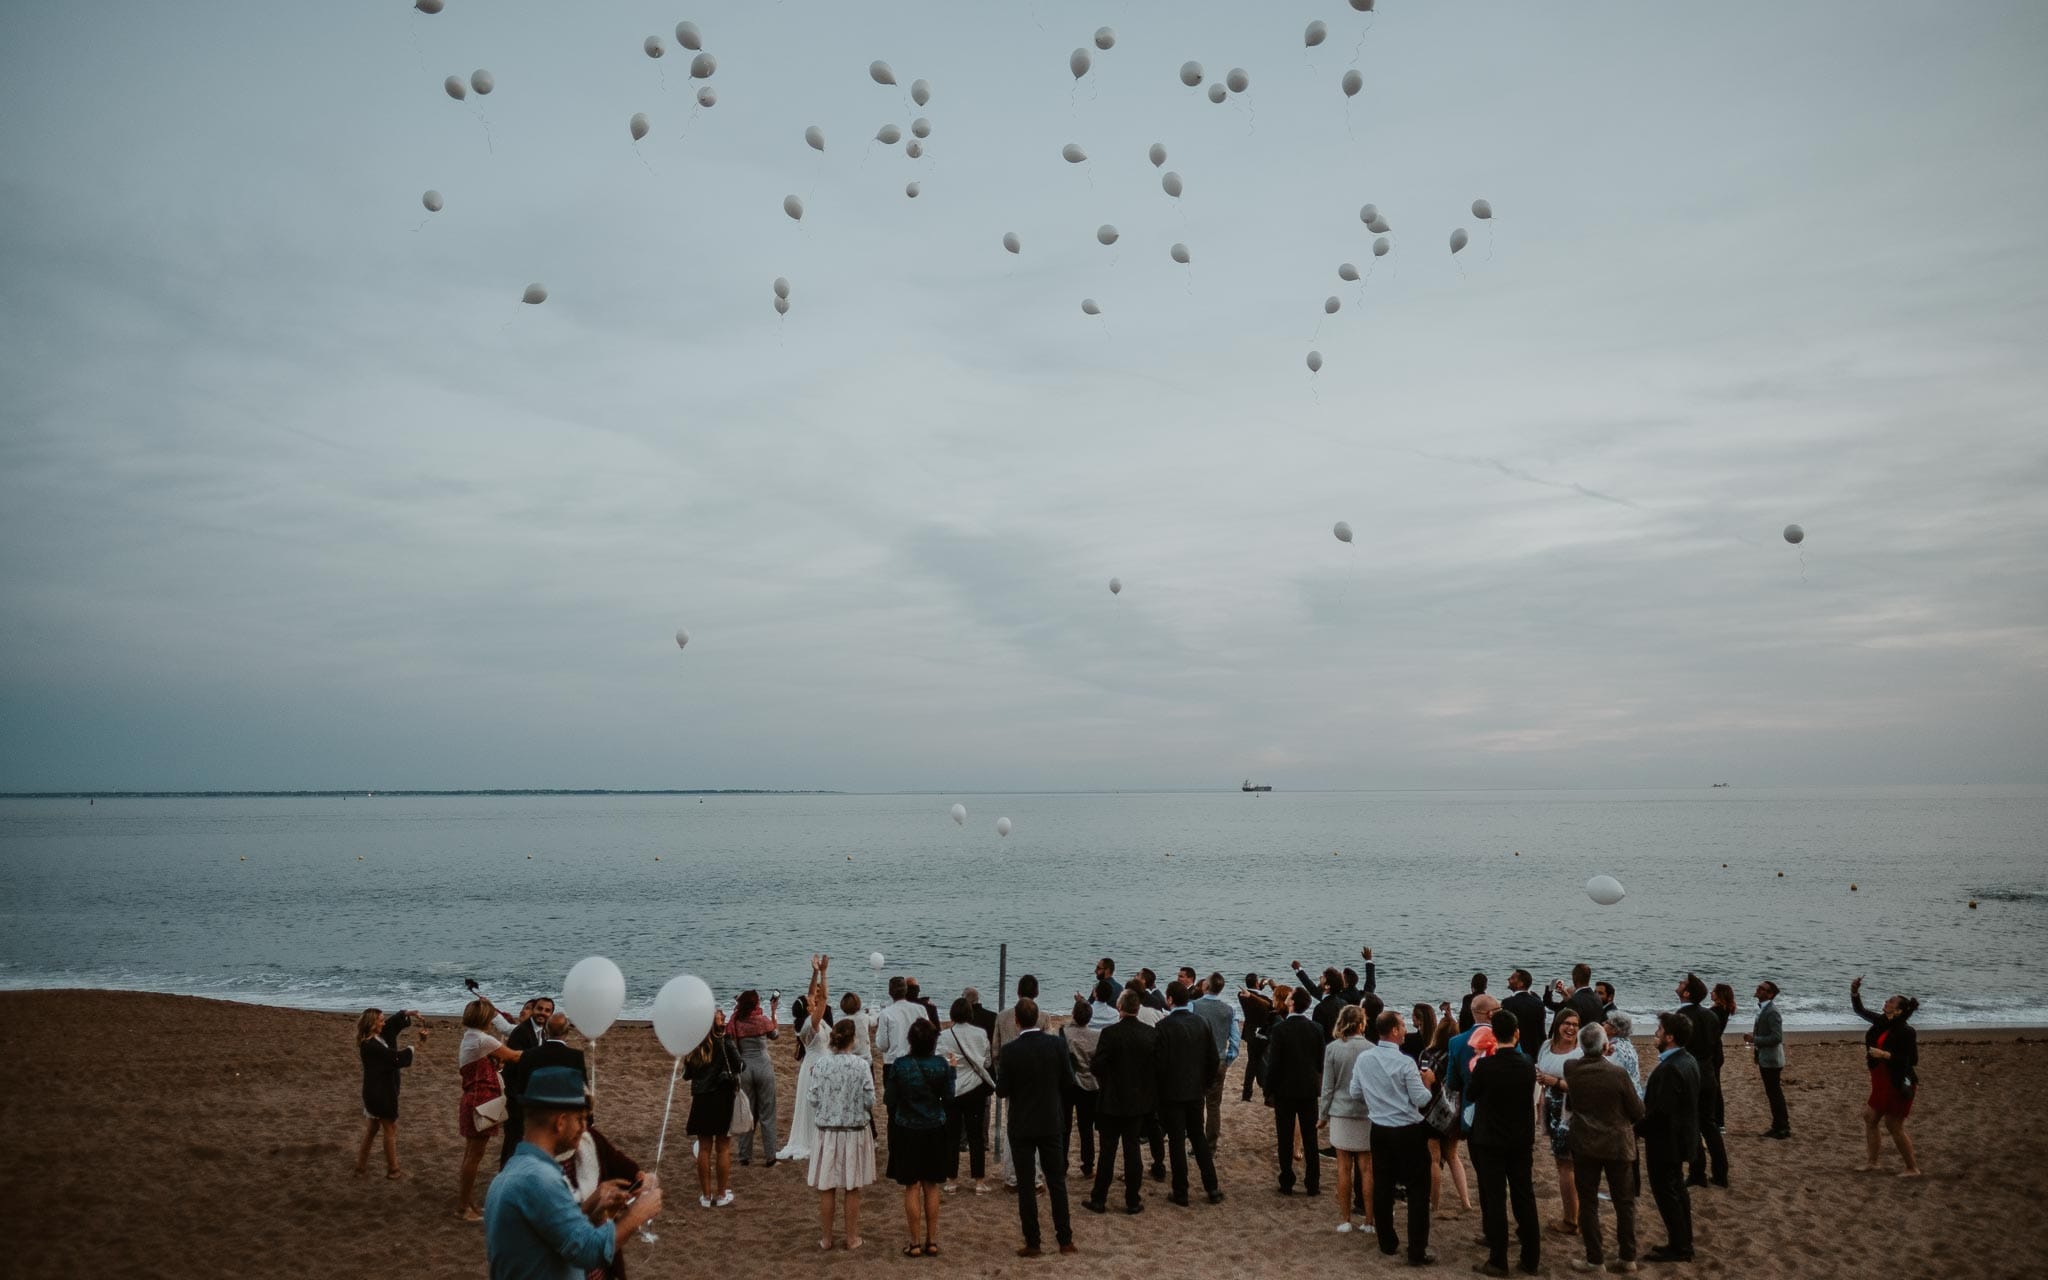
[1367, 1230]
[705, 1201]
[1343, 1228]
[725, 1199]
[950, 1187]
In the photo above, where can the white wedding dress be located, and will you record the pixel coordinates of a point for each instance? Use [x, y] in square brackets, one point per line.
[803, 1126]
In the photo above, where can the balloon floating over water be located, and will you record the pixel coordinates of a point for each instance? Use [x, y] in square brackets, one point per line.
[814, 138]
[875, 958]
[688, 36]
[1794, 534]
[1158, 154]
[793, 207]
[1315, 365]
[1179, 253]
[481, 81]
[535, 295]
[881, 73]
[455, 88]
[959, 814]
[1106, 234]
[1317, 33]
[1342, 530]
[682, 638]
[1072, 153]
[1352, 83]
[1002, 826]
[1012, 243]
[1605, 890]
[1482, 210]
[1459, 239]
[432, 200]
[1116, 586]
[1191, 74]
[638, 126]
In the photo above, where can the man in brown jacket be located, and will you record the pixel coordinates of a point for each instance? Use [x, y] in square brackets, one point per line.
[1605, 1108]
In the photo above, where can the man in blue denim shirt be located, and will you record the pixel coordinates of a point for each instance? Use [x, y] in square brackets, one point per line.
[1213, 1009]
[533, 1227]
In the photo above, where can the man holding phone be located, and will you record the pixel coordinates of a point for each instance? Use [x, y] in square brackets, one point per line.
[532, 1223]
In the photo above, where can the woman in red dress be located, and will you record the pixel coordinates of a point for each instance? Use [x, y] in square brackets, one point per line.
[1893, 1048]
[478, 1061]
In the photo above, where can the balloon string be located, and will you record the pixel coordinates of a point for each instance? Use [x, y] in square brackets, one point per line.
[489, 143]
[662, 1142]
[1251, 124]
[1802, 564]
[1489, 239]
[593, 1066]
[1348, 132]
[662, 76]
[643, 159]
[1361, 38]
[423, 222]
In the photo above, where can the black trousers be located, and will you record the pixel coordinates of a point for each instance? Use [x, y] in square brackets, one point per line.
[1505, 1181]
[515, 1130]
[968, 1116]
[1291, 1116]
[1712, 1153]
[1402, 1154]
[1254, 1058]
[1031, 1154]
[1183, 1121]
[1674, 1202]
[1155, 1138]
[1774, 1090]
[1118, 1131]
[1079, 1114]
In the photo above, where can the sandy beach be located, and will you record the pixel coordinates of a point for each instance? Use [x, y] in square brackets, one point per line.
[169, 1136]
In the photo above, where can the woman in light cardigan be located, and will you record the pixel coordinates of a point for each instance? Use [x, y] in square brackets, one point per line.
[1344, 1115]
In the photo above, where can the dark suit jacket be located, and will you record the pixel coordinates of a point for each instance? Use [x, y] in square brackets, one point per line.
[1126, 1067]
[1671, 1106]
[1294, 1060]
[1502, 1089]
[1585, 1002]
[985, 1019]
[1188, 1061]
[1034, 1073]
[551, 1053]
[1326, 1012]
[1258, 1013]
[1527, 1007]
[524, 1036]
[1605, 1108]
[1705, 1047]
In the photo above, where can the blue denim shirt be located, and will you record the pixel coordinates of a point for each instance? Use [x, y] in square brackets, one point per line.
[533, 1227]
[1226, 1048]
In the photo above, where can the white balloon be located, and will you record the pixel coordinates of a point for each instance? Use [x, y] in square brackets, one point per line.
[1369, 213]
[1217, 92]
[1179, 252]
[1378, 226]
[682, 638]
[1171, 184]
[881, 73]
[482, 81]
[1078, 62]
[814, 137]
[1089, 307]
[1315, 365]
[1330, 305]
[593, 994]
[455, 88]
[1238, 80]
[1002, 826]
[1363, 6]
[1353, 82]
[782, 286]
[1458, 239]
[1191, 74]
[688, 36]
[652, 47]
[1380, 247]
[1482, 210]
[1012, 243]
[920, 91]
[876, 960]
[1345, 271]
[637, 126]
[782, 306]
[682, 1014]
[703, 66]
[793, 207]
[1105, 38]
[1316, 34]
[1605, 890]
[1106, 234]
[535, 294]
[1342, 530]
[1116, 586]
[1072, 153]
[428, 7]
[432, 200]
[707, 96]
[959, 814]
[888, 135]
[920, 128]
[1794, 534]
[911, 189]
[913, 148]
[1158, 154]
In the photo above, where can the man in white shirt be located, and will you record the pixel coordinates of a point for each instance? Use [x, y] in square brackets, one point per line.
[892, 1029]
[1395, 1092]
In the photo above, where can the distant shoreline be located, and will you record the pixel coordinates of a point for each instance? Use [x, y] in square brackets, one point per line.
[365, 791]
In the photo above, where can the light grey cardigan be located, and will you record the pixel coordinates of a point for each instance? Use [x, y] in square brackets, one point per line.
[1338, 1059]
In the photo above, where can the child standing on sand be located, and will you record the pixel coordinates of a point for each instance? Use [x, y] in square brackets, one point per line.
[377, 1041]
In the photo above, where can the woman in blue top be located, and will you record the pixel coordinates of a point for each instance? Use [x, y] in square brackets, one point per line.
[922, 1158]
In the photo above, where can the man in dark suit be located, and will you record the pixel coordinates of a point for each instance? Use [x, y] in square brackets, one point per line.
[1670, 1130]
[1329, 1002]
[1579, 997]
[532, 1029]
[1035, 1073]
[1294, 1084]
[1705, 1047]
[1502, 1142]
[552, 1051]
[982, 1017]
[1465, 1018]
[1126, 1069]
[1188, 1066]
[1258, 1020]
[1527, 1007]
[1148, 990]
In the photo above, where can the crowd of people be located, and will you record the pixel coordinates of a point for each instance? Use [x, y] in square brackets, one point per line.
[1399, 1097]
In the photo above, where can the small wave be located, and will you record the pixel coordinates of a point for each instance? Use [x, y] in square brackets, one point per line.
[2011, 895]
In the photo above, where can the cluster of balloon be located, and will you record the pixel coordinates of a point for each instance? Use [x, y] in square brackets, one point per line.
[959, 815]
[1605, 890]
[1116, 586]
[781, 295]
[1002, 826]
[592, 996]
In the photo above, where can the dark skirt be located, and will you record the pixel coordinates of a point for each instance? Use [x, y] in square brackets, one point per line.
[711, 1114]
[921, 1155]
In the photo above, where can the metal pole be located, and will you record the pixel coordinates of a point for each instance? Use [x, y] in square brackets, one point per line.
[1002, 1002]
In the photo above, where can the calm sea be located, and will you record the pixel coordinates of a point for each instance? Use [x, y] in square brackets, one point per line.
[336, 904]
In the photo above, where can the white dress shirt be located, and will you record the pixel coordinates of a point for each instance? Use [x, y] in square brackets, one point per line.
[892, 1029]
[1390, 1084]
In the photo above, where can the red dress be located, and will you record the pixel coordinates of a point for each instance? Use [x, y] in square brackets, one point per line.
[479, 1085]
[1884, 1099]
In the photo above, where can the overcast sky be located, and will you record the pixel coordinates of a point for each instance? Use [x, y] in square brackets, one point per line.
[295, 493]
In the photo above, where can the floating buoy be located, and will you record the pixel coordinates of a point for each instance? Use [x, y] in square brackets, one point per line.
[1781, 875]
[1852, 888]
[1973, 904]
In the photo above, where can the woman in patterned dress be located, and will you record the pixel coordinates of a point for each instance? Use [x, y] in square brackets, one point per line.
[842, 1094]
[478, 1061]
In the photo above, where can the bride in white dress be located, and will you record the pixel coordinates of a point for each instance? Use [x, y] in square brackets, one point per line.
[815, 1036]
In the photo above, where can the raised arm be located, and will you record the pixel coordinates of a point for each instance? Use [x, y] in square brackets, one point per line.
[1856, 1002]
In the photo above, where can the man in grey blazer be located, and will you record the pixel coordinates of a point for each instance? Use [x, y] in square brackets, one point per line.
[1767, 1040]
